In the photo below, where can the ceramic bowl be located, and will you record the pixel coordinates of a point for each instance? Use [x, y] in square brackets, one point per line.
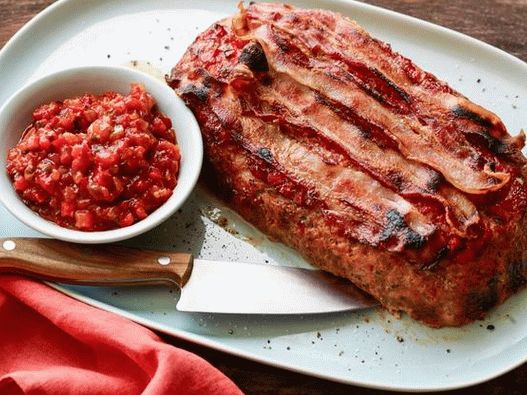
[16, 115]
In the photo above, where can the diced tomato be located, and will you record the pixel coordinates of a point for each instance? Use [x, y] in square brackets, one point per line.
[67, 209]
[99, 131]
[20, 183]
[32, 143]
[67, 120]
[127, 220]
[96, 162]
[106, 159]
[46, 111]
[65, 155]
[84, 220]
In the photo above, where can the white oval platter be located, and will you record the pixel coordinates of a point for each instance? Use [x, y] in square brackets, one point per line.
[370, 349]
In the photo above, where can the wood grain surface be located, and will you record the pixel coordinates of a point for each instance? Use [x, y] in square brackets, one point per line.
[502, 23]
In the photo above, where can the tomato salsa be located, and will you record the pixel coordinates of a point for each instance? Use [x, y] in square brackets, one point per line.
[96, 163]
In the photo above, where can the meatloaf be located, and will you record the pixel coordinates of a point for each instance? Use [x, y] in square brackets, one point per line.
[332, 143]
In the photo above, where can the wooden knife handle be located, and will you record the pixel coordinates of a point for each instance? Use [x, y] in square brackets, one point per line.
[92, 264]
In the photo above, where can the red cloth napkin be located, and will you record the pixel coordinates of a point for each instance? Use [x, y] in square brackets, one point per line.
[53, 344]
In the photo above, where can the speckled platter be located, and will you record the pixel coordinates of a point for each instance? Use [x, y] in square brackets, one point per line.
[371, 348]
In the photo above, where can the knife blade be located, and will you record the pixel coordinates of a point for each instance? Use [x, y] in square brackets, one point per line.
[206, 286]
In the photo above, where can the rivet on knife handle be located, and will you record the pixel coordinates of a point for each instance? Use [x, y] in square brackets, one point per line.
[94, 264]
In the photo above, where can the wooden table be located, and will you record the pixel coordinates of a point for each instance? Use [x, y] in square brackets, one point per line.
[502, 23]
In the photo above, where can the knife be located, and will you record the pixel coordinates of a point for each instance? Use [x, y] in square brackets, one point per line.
[206, 286]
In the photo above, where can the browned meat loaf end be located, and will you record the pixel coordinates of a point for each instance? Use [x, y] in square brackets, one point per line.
[327, 140]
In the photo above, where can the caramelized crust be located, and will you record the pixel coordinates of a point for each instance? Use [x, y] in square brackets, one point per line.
[373, 169]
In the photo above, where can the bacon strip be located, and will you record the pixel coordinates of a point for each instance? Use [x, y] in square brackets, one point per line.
[286, 54]
[344, 40]
[344, 190]
[307, 114]
[310, 111]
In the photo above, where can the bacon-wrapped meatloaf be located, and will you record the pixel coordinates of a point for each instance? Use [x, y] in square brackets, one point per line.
[376, 171]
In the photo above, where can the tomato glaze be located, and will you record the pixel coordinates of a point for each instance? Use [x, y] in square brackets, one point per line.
[96, 163]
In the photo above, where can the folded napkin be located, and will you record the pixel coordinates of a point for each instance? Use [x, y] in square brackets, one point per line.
[53, 344]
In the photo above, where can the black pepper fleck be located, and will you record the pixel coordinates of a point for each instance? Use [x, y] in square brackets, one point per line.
[448, 350]
[108, 56]
[231, 331]
[400, 339]
[491, 327]
[166, 47]
[288, 348]
[478, 80]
